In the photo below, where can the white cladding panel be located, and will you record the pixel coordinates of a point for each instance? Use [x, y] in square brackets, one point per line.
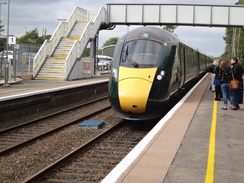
[151, 14]
[185, 14]
[168, 13]
[220, 15]
[202, 15]
[236, 16]
[134, 13]
[155, 14]
[117, 13]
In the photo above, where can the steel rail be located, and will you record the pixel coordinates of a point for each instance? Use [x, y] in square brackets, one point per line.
[39, 175]
[21, 144]
[50, 115]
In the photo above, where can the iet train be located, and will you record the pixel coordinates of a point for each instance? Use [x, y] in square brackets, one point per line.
[148, 67]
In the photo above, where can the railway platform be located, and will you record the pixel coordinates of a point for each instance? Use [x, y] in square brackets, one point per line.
[195, 142]
[21, 87]
[27, 99]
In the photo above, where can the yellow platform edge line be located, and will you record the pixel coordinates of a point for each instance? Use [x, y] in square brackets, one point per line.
[211, 151]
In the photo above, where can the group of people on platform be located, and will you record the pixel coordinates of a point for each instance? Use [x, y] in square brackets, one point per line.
[223, 72]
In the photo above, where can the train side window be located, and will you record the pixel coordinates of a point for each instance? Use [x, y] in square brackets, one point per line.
[117, 53]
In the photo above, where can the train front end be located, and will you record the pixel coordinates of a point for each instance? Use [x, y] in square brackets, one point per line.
[139, 85]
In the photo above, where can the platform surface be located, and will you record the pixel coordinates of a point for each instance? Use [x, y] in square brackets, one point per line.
[25, 87]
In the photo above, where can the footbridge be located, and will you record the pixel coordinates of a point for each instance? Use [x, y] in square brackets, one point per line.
[61, 56]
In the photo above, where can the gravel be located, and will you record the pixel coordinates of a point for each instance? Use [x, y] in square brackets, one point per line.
[21, 164]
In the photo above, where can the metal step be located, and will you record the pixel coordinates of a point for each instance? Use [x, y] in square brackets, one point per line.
[51, 74]
[49, 78]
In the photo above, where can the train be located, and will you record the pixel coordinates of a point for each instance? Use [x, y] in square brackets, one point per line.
[149, 66]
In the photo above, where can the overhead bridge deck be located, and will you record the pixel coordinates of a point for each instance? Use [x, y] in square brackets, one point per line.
[176, 14]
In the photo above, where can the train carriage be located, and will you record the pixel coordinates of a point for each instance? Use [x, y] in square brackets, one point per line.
[149, 65]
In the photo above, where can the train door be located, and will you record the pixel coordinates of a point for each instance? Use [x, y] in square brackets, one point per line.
[205, 62]
[183, 63]
[198, 62]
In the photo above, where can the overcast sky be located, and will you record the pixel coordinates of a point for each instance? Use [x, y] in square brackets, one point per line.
[26, 15]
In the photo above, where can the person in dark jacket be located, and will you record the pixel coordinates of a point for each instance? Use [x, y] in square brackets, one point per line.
[235, 95]
[225, 77]
[217, 82]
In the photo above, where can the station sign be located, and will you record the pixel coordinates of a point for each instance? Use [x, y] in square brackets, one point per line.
[11, 40]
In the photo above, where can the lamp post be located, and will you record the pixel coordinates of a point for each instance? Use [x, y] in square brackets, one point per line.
[1, 11]
[6, 65]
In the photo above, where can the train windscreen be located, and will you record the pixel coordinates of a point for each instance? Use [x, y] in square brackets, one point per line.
[140, 54]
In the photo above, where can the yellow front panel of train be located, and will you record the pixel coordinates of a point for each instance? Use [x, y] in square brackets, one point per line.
[134, 88]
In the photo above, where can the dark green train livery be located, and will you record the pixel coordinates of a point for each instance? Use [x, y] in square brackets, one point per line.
[149, 66]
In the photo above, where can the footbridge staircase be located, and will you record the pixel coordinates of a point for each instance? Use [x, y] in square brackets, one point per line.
[59, 57]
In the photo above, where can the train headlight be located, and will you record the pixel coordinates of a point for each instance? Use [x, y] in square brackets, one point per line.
[161, 75]
[115, 74]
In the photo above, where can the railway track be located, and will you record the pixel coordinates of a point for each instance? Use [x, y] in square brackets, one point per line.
[23, 134]
[92, 161]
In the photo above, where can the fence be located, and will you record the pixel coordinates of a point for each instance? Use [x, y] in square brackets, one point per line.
[22, 62]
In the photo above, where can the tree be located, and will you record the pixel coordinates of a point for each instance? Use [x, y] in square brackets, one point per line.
[86, 52]
[32, 37]
[234, 39]
[170, 28]
[2, 40]
[241, 2]
[111, 41]
[1, 27]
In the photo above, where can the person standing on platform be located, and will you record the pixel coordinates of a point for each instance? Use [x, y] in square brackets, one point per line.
[211, 69]
[217, 82]
[235, 94]
[225, 77]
